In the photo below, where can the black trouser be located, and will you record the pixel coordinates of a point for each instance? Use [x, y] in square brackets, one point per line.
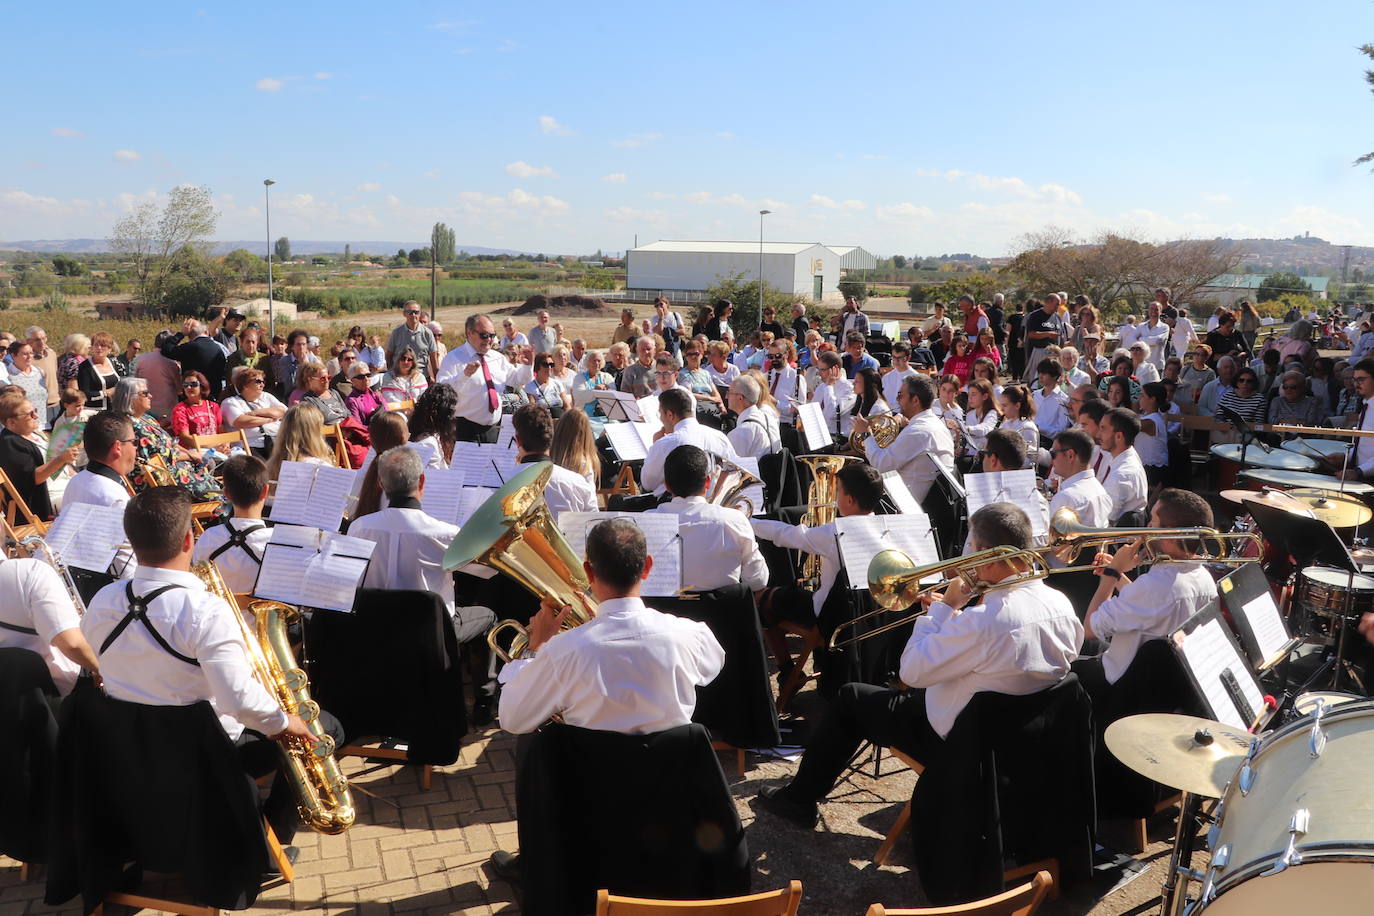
[260, 755]
[888, 718]
[471, 624]
[468, 431]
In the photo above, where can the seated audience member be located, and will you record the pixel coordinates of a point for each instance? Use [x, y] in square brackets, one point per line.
[195, 414]
[362, 401]
[188, 467]
[255, 410]
[567, 491]
[1294, 406]
[189, 648]
[23, 459]
[1127, 612]
[312, 387]
[236, 547]
[109, 444]
[680, 427]
[1019, 639]
[756, 430]
[718, 546]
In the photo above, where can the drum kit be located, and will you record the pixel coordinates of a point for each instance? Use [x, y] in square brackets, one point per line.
[1289, 817]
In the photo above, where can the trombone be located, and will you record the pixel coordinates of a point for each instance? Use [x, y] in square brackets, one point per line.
[895, 582]
[1069, 538]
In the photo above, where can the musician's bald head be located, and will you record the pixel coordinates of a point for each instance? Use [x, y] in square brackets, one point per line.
[686, 470]
[617, 557]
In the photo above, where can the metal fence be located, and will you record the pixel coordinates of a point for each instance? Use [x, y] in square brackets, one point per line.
[674, 296]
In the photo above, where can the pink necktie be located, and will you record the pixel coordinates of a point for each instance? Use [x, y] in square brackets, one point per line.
[493, 400]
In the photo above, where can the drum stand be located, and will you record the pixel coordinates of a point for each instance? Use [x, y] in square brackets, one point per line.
[1174, 893]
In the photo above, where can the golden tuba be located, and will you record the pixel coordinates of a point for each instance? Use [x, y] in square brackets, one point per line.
[883, 427]
[820, 505]
[322, 794]
[513, 532]
[727, 489]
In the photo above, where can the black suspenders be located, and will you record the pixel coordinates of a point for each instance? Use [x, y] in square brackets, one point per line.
[238, 538]
[138, 610]
[14, 627]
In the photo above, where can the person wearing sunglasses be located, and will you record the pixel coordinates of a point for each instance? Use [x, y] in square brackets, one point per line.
[545, 390]
[478, 372]
[416, 335]
[23, 451]
[404, 381]
[1294, 406]
[1246, 401]
[194, 415]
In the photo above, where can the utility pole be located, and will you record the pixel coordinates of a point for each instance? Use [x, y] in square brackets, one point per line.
[762, 214]
[1345, 266]
[267, 205]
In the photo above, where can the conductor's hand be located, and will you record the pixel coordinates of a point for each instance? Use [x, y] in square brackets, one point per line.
[547, 623]
[470, 368]
[296, 728]
[1367, 627]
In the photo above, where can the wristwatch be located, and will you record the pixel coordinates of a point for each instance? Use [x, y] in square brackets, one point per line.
[1111, 573]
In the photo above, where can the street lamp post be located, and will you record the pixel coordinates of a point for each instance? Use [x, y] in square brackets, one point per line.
[762, 214]
[267, 202]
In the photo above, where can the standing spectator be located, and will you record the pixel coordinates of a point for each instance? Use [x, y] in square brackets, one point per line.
[1044, 328]
[543, 337]
[997, 319]
[510, 337]
[201, 353]
[1248, 324]
[248, 354]
[1087, 321]
[1127, 333]
[224, 329]
[667, 324]
[374, 355]
[97, 375]
[25, 374]
[1154, 333]
[800, 326]
[440, 350]
[626, 330]
[124, 362]
[285, 367]
[1224, 341]
[975, 319]
[415, 335]
[853, 319]
[45, 358]
[986, 346]
[405, 381]
[770, 322]
[74, 347]
[194, 414]
[1184, 334]
[163, 375]
[478, 372]
[718, 326]
[638, 377]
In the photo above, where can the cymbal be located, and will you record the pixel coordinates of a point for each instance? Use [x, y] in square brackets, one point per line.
[1195, 755]
[1276, 498]
[1336, 511]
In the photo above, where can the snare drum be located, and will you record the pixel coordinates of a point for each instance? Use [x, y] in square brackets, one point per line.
[1323, 591]
[1294, 832]
[1306, 703]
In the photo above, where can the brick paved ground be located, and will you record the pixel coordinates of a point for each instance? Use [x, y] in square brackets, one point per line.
[429, 854]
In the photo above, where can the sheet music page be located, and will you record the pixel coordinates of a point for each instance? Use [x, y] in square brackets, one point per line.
[469, 502]
[660, 537]
[648, 410]
[1263, 616]
[443, 493]
[901, 494]
[625, 441]
[291, 502]
[282, 574]
[1015, 487]
[329, 496]
[296, 536]
[90, 538]
[1208, 653]
[814, 431]
[506, 437]
[333, 576]
[64, 528]
[483, 465]
[616, 405]
[861, 537]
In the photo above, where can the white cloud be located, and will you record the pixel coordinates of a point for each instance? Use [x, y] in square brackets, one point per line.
[68, 132]
[126, 155]
[614, 178]
[874, 156]
[514, 203]
[660, 195]
[993, 184]
[637, 140]
[904, 213]
[522, 169]
[392, 200]
[269, 84]
[432, 173]
[370, 186]
[549, 124]
[821, 200]
[1216, 198]
[324, 76]
[725, 135]
[852, 204]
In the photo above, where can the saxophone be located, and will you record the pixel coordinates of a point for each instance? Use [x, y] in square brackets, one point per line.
[323, 797]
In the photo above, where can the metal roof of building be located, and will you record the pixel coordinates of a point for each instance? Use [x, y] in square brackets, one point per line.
[1254, 281]
[698, 246]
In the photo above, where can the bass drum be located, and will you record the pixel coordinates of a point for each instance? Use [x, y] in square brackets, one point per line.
[1301, 838]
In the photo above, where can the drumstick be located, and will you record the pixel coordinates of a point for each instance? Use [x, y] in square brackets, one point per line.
[1270, 704]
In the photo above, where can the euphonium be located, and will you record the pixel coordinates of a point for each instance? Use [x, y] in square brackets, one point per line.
[883, 428]
[513, 532]
[820, 505]
[322, 794]
[727, 489]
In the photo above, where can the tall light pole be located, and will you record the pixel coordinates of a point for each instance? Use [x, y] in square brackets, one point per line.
[267, 202]
[762, 214]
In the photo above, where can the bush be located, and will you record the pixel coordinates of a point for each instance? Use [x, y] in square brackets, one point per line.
[745, 296]
[855, 288]
[54, 301]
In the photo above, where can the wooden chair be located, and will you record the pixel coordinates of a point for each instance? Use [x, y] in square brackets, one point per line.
[400, 405]
[157, 468]
[797, 677]
[783, 902]
[237, 437]
[1021, 901]
[340, 451]
[16, 512]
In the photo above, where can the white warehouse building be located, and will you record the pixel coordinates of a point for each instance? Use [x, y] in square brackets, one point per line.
[800, 268]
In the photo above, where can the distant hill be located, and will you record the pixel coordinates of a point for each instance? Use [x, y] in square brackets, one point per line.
[257, 246]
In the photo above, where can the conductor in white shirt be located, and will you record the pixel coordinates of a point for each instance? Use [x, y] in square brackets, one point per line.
[756, 431]
[680, 427]
[567, 491]
[1125, 482]
[478, 372]
[835, 394]
[718, 546]
[1019, 639]
[924, 444]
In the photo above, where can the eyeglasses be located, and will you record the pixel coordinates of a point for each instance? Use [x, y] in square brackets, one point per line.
[251, 381]
[1247, 381]
[411, 314]
[1292, 387]
[190, 384]
[665, 372]
[145, 393]
[544, 366]
[1059, 451]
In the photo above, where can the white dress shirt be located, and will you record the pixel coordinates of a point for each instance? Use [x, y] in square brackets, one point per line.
[892, 383]
[686, 432]
[1183, 335]
[33, 596]
[756, 433]
[567, 491]
[410, 550]
[1153, 450]
[1019, 641]
[923, 443]
[233, 408]
[473, 404]
[629, 669]
[820, 541]
[788, 387]
[718, 546]
[1126, 484]
[836, 401]
[1154, 335]
[1026, 429]
[1151, 607]
[196, 624]
[238, 567]
[1083, 493]
[1364, 445]
[99, 490]
[1051, 412]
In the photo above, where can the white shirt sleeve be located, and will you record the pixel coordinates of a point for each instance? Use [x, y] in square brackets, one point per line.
[49, 603]
[943, 646]
[224, 660]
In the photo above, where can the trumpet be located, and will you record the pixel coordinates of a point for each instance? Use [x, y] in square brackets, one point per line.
[884, 428]
[1069, 538]
[894, 581]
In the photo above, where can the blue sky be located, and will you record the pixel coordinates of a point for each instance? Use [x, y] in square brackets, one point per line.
[913, 128]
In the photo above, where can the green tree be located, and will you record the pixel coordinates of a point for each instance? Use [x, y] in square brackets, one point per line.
[745, 296]
[348, 254]
[195, 282]
[64, 266]
[1278, 285]
[917, 294]
[1368, 51]
[899, 261]
[149, 236]
[283, 249]
[418, 256]
[442, 242]
[244, 264]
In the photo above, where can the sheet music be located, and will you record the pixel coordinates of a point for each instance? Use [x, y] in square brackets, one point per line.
[443, 493]
[814, 430]
[506, 437]
[1265, 623]
[616, 405]
[302, 575]
[1015, 487]
[483, 464]
[291, 501]
[329, 495]
[1208, 653]
[87, 536]
[295, 536]
[282, 573]
[648, 411]
[660, 537]
[469, 502]
[901, 494]
[861, 537]
[625, 441]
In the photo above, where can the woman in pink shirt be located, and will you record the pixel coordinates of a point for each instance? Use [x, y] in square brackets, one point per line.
[194, 414]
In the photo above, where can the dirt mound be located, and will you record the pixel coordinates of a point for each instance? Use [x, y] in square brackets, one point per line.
[562, 305]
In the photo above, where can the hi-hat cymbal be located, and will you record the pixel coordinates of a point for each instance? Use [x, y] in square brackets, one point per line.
[1336, 511]
[1276, 498]
[1195, 755]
